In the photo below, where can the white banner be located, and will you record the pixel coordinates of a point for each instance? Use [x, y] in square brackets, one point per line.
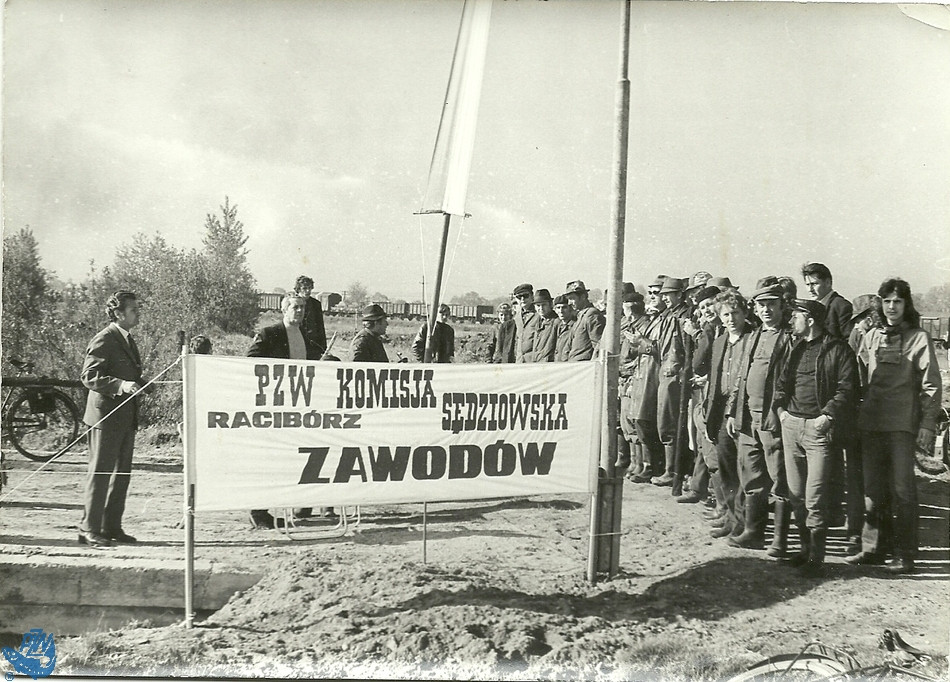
[262, 433]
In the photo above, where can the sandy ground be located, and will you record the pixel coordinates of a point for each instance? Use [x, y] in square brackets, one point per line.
[502, 594]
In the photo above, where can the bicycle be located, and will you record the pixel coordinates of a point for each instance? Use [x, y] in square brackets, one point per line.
[40, 420]
[817, 661]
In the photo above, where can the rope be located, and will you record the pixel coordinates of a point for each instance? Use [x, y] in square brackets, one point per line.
[84, 433]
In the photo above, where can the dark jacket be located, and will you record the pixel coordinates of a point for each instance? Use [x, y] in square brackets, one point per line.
[109, 361]
[836, 376]
[838, 322]
[312, 324]
[443, 343]
[502, 349]
[271, 342]
[545, 338]
[716, 399]
[367, 347]
[738, 405]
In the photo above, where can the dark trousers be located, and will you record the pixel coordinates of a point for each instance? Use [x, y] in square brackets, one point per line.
[727, 460]
[762, 462]
[652, 448]
[855, 486]
[888, 460]
[107, 483]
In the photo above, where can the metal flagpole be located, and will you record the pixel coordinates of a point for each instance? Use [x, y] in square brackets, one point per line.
[611, 486]
[189, 489]
[437, 292]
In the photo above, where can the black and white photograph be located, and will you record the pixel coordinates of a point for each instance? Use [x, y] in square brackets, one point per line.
[475, 339]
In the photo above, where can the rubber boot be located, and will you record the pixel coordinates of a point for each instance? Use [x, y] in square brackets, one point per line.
[668, 476]
[623, 455]
[677, 488]
[801, 558]
[816, 555]
[756, 516]
[636, 459]
[779, 547]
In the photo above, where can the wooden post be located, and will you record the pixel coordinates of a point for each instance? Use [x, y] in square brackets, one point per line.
[438, 288]
[189, 490]
[608, 530]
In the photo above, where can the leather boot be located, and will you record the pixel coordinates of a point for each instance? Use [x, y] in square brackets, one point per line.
[636, 458]
[779, 547]
[816, 556]
[801, 558]
[677, 488]
[756, 516]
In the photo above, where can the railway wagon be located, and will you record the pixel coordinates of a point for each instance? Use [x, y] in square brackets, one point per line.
[271, 301]
[937, 327]
[394, 308]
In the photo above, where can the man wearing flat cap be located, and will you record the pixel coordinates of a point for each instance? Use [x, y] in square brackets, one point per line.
[545, 328]
[752, 421]
[814, 401]
[367, 346]
[589, 328]
[523, 311]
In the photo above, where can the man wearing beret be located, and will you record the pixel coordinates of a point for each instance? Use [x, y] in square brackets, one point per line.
[502, 348]
[524, 315]
[814, 400]
[367, 346]
[754, 424]
[589, 328]
[838, 323]
[545, 328]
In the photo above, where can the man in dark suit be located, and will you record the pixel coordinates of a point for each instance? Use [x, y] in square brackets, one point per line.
[312, 324]
[838, 309]
[112, 371]
[287, 340]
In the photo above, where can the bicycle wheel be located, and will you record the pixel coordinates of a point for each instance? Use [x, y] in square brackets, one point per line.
[41, 423]
[786, 667]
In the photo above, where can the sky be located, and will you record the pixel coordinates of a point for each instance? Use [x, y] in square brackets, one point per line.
[762, 135]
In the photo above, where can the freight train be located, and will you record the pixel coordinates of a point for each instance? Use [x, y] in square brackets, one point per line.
[397, 309]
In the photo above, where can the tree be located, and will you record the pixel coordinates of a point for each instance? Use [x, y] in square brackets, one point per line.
[470, 298]
[356, 293]
[232, 290]
[26, 293]
[936, 301]
[379, 296]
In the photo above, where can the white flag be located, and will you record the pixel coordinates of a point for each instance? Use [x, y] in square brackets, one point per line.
[452, 156]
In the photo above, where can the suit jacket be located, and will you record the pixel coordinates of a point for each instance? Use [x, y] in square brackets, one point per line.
[716, 398]
[838, 313]
[109, 361]
[271, 342]
[312, 324]
[367, 347]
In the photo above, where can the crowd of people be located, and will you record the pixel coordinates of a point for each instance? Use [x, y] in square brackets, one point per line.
[809, 407]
